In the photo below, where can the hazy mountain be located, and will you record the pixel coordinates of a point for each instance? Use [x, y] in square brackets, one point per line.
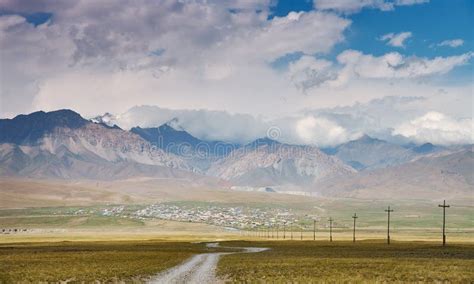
[367, 153]
[266, 162]
[63, 144]
[437, 176]
[198, 152]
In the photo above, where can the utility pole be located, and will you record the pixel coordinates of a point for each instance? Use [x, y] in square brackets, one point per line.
[330, 229]
[314, 229]
[354, 231]
[388, 223]
[284, 230]
[291, 232]
[301, 233]
[444, 206]
[277, 232]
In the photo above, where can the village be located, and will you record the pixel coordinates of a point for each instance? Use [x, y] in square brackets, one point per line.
[232, 217]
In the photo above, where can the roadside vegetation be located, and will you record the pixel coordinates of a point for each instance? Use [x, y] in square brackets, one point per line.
[337, 262]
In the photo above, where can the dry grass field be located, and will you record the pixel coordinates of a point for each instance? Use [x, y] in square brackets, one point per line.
[78, 262]
[285, 262]
[339, 262]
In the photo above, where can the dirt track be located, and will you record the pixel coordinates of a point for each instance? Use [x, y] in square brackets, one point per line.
[200, 268]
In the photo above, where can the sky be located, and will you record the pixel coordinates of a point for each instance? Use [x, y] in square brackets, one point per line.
[321, 72]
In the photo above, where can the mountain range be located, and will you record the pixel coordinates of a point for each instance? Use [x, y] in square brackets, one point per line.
[64, 145]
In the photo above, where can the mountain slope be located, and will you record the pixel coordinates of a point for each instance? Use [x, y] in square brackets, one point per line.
[265, 162]
[367, 153]
[428, 177]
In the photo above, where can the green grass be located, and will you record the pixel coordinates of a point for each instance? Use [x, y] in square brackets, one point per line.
[91, 261]
[67, 222]
[337, 262]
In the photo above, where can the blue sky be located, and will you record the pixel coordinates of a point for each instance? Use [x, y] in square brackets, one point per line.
[430, 23]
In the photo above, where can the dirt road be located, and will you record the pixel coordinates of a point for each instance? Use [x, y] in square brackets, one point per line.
[200, 268]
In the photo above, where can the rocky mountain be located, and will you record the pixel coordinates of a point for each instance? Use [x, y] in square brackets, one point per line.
[437, 176]
[65, 145]
[266, 162]
[367, 153]
[28, 129]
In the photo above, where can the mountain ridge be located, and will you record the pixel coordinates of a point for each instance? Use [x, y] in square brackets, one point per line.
[62, 144]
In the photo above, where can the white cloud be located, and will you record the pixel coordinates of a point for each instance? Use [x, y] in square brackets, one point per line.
[353, 6]
[320, 131]
[209, 57]
[310, 72]
[204, 124]
[410, 2]
[321, 126]
[396, 40]
[9, 21]
[395, 66]
[451, 43]
[437, 128]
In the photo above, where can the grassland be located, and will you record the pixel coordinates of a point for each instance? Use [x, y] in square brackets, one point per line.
[338, 262]
[286, 262]
[91, 261]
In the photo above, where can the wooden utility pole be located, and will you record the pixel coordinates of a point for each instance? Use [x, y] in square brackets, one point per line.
[284, 230]
[330, 229]
[354, 231]
[277, 231]
[388, 223]
[301, 233]
[444, 206]
[291, 232]
[314, 229]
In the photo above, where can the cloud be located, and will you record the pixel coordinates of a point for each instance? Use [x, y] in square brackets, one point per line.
[396, 40]
[308, 72]
[214, 54]
[9, 21]
[204, 124]
[238, 128]
[451, 43]
[437, 128]
[320, 126]
[354, 6]
[410, 2]
[320, 131]
[395, 66]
